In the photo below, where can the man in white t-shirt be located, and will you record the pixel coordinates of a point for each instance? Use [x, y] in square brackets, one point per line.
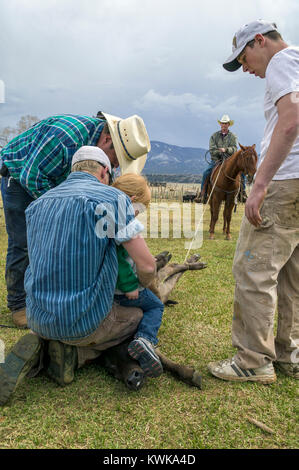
[266, 263]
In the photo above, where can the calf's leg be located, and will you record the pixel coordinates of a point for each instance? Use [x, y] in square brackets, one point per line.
[118, 363]
[187, 374]
[162, 259]
[168, 276]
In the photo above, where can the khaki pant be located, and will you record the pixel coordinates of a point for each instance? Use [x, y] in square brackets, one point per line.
[120, 324]
[266, 271]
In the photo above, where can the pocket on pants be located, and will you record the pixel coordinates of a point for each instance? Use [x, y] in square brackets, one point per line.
[267, 215]
[255, 248]
[12, 186]
[287, 208]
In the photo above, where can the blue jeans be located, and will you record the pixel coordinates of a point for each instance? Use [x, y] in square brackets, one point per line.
[207, 173]
[15, 201]
[153, 310]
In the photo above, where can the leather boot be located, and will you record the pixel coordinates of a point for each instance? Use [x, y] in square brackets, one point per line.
[63, 361]
[22, 358]
[19, 318]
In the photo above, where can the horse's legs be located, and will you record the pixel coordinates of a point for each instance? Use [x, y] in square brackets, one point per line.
[226, 200]
[212, 224]
[227, 215]
[215, 207]
[224, 219]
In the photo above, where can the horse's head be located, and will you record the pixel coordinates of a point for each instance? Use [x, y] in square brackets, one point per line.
[248, 160]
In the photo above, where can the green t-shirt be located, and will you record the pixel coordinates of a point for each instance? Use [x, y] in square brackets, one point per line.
[127, 280]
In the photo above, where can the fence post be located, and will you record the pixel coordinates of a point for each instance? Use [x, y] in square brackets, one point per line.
[2, 351]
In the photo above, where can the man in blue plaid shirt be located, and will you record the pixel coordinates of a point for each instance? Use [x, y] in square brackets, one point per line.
[38, 160]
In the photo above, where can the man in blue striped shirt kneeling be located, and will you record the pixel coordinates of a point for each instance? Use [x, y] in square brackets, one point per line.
[72, 233]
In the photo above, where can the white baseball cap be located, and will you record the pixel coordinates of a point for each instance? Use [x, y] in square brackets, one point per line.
[242, 37]
[89, 152]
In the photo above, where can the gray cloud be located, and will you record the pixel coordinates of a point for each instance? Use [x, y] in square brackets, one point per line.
[161, 60]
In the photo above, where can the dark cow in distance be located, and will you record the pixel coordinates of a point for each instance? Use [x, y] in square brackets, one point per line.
[189, 197]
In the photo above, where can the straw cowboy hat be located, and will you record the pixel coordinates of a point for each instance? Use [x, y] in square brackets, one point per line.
[131, 142]
[225, 118]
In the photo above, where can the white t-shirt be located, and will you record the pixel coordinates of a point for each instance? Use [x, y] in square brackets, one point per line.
[282, 77]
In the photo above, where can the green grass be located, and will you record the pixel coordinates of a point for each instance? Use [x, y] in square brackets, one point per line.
[97, 411]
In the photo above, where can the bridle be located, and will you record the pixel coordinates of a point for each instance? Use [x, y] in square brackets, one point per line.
[242, 154]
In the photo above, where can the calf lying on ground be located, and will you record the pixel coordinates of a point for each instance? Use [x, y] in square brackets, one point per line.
[117, 361]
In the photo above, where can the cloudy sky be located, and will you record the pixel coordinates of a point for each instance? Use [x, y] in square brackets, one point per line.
[161, 59]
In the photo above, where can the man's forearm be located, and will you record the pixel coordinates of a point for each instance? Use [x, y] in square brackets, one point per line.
[146, 278]
[139, 252]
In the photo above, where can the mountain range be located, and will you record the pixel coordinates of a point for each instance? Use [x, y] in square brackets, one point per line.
[167, 159]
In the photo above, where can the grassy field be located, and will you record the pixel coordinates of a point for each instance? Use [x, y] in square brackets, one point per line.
[98, 412]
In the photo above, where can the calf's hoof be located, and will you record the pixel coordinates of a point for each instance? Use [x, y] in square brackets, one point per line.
[211, 236]
[164, 255]
[197, 380]
[194, 258]
[228, 237]
[162, 259]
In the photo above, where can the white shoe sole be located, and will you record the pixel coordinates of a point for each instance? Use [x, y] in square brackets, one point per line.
[264, 379]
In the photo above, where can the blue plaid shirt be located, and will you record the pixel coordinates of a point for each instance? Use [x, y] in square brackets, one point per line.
[72, 233]
[40, 158]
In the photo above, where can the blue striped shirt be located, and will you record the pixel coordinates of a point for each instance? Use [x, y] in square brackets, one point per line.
[72, 233]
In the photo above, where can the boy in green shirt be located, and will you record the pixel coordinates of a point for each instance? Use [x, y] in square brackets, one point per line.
[130, 293]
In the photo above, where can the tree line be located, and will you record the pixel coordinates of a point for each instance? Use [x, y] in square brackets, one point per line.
[8, 133]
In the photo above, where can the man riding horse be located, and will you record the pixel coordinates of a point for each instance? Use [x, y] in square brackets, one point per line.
[223, 144]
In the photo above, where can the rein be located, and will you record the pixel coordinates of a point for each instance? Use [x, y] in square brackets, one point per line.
[230, 178]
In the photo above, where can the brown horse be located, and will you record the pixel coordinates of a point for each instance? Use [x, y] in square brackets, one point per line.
[227, 186]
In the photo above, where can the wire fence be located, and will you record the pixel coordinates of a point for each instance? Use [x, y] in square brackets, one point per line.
[173, 191]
